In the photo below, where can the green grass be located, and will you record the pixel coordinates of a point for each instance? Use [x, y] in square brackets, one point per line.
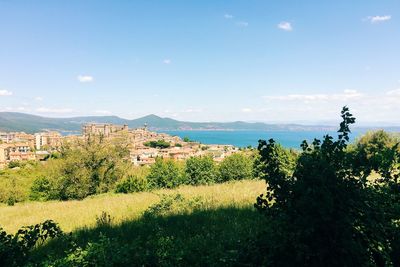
[72, 215]
[188, 226]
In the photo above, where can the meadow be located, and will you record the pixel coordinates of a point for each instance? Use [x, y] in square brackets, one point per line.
[75, 214]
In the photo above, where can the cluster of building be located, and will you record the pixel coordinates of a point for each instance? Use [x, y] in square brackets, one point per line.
[19, 146]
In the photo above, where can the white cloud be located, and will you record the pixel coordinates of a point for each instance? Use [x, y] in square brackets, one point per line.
[379, 106]
[167, 61]
[242, 24]
[53, 110]
[85, 78]
[246, 110]
[347, 94]
[228, 16]
[394, 92]
[286, 26]
[377, 19]
[38, 98]
[5, 93]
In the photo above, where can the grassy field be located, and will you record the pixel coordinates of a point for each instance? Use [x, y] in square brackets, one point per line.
[188, 226]
[72, 215]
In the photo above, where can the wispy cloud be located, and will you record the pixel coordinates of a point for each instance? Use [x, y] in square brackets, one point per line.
[5, 93]
[377, 19]
[54, 110]
[379, 106]
[242, 24]
[85, 78]
[38, 98]
[228, 16]
[286, 26]
[246, 110]
[347, 94]
[167, 61]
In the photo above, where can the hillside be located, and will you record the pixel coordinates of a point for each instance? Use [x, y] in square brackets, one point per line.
[13, 121]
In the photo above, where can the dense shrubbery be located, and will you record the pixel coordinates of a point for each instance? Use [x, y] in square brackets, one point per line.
[84, 169]
[200, 171]
[325, 212]
[15, 249]
[165, 174]
[236, 167]
[132, 184]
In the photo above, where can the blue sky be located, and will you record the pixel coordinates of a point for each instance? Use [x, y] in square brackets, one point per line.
[275, 61]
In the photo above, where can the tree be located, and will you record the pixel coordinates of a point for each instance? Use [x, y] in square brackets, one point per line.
[325, 213]
[235, 167]
[164, 173]
[83, 169]
[200, 170]
[158, 144]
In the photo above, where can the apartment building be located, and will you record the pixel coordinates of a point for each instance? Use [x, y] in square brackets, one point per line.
[49, 140]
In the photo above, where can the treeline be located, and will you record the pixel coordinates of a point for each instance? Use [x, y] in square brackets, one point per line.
[98, 166]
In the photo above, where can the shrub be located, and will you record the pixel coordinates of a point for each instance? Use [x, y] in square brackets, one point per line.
[15, 249]
[235, 167]
[165, 174]
[131, 184]
[325, 213]
[40, 190]
[200, 171]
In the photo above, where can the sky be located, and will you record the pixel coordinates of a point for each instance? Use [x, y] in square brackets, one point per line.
[251, 60]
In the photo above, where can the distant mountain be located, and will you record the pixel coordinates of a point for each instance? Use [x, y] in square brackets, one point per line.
[13, 121]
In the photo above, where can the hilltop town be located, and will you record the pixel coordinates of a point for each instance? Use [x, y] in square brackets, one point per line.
[144, 145]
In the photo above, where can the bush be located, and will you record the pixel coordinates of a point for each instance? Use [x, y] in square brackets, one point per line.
[84, 169]
[15, 249]
[200, 171]
[165, 174]
[235, 167]
[325, 213]
[40, 190]
[131, 184]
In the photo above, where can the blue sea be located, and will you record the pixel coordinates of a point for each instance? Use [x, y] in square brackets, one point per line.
[289, 139]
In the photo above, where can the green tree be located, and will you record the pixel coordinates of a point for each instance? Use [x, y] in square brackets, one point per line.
[158, 144]
[325, 213]
[164, 173]
[200, 170]
[238, 166]
[83, 169]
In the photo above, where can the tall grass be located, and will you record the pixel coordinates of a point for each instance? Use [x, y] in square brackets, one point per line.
[73, 215]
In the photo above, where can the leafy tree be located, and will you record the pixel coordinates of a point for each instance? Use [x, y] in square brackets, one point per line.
[158, 144]
[131, 184]
[200, 170]
[83, 169]
[325, 213]
[235, 167]
[164, 173]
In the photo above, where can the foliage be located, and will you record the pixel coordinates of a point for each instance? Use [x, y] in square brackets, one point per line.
[187, 139]
[200, 171]
[131, 184]
[165, 173]
[238, 166]
[84, 169]
[158, 144]
[15, 249]
[325, 213]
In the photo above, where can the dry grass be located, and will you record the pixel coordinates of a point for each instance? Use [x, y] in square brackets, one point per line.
[72, 215]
